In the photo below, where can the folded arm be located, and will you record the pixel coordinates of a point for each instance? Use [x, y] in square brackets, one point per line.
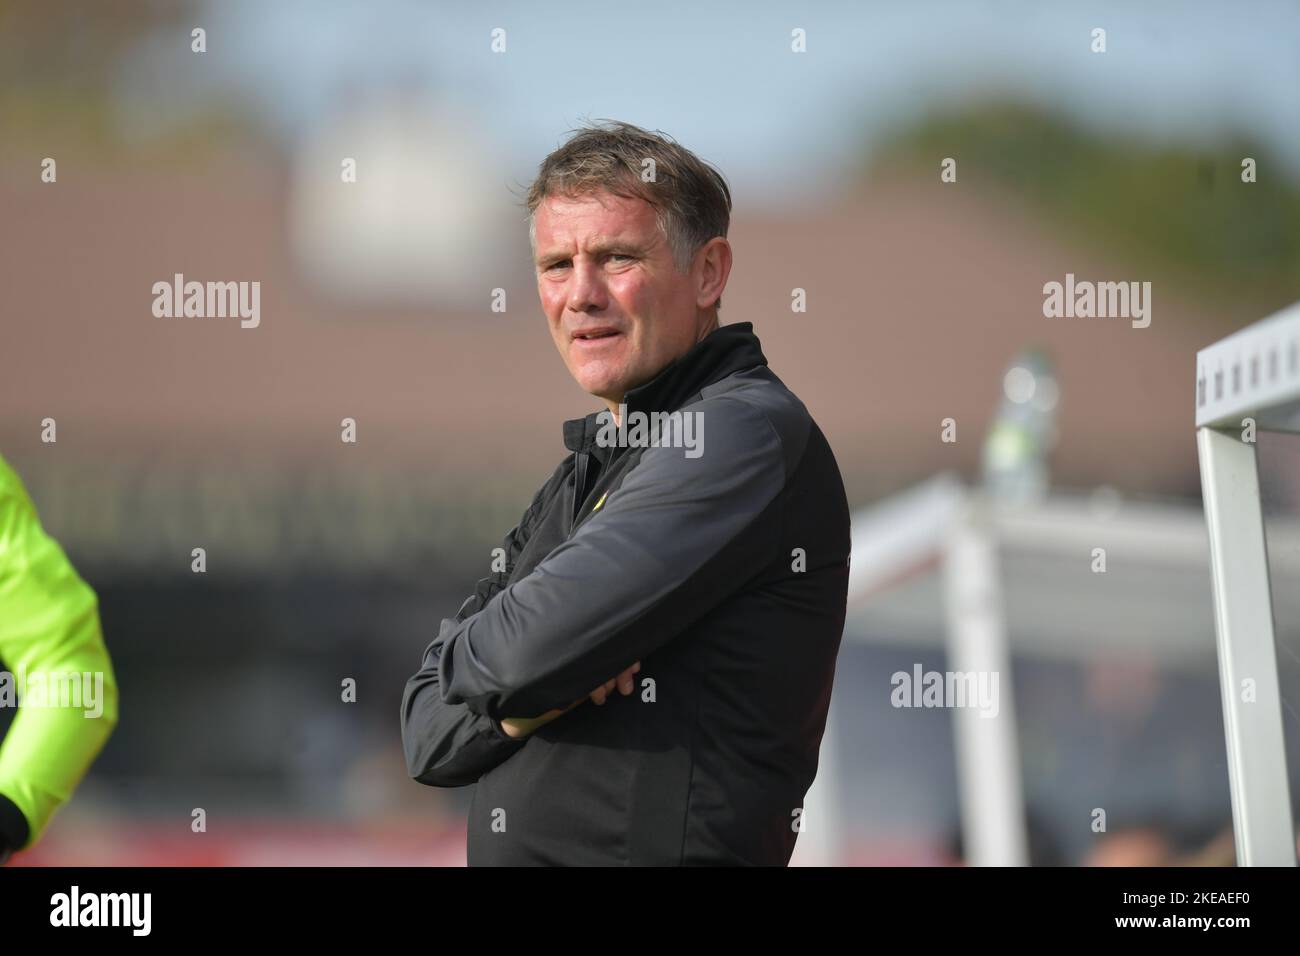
[634, 575]
[446, 744]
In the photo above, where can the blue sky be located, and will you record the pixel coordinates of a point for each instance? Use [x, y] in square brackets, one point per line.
[720, 77]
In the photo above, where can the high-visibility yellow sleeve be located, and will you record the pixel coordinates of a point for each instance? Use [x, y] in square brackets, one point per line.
[56, 666]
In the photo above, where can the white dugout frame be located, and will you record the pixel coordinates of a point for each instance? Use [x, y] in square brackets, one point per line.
[1254, 373]
[1251, 374]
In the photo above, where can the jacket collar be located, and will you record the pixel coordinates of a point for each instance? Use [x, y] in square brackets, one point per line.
[724, 351]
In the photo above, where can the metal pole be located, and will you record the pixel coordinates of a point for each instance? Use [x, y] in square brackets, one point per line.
[988, 767]
[1248, 679]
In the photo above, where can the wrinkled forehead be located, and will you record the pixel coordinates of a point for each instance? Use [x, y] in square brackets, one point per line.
[581, 217]
[593, 223]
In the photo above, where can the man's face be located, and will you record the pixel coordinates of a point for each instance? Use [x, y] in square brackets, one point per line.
[618, 310]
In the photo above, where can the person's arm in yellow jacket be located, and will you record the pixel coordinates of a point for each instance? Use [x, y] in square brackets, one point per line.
[56, 671]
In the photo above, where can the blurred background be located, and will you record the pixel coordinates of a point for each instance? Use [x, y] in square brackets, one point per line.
[328, 561]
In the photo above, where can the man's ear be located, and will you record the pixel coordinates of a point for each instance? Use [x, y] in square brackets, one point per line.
[714, 260]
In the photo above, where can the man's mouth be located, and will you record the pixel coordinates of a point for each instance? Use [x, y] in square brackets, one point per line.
[595, 335]
[590, 340]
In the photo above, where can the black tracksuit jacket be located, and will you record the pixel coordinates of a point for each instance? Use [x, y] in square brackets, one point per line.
[723, 569]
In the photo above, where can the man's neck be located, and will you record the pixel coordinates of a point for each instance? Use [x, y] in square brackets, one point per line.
[613, 408]
[704, 334]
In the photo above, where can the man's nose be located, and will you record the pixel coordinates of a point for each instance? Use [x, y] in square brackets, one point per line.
[586, 287]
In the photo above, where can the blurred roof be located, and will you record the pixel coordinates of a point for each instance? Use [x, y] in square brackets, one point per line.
[918, 296]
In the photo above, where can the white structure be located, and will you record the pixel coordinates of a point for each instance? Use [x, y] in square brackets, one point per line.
[939, 566]
[1024, 571]
[1250, 377]
[400, 202]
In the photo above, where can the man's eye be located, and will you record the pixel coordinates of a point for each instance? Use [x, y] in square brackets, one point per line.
[619, 255]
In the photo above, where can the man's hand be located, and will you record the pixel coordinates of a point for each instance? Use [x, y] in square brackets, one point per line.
[623, 682]
[523, 726]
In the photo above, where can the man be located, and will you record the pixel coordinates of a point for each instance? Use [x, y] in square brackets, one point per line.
[49, 636]
[705, 558]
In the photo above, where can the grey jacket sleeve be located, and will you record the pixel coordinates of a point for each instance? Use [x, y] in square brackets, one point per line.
[632, 577]
[446, 744]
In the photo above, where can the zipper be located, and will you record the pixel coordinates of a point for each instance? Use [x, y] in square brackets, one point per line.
[579, 488]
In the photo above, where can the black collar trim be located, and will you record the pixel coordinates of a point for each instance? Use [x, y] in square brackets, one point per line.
[724, 351]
